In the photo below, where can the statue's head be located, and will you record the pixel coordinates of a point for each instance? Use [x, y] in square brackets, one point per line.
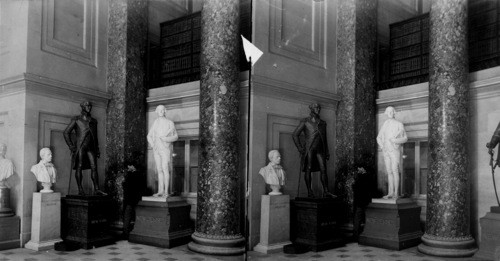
[3, 149]
[160, 110]
[274, 156]
[86, 106]
[315, 108]
[46, 154]
[390, 112]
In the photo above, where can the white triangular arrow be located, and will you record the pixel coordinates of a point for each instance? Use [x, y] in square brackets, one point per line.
[251, 51]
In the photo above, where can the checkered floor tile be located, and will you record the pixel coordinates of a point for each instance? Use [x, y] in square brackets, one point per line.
[125, 251]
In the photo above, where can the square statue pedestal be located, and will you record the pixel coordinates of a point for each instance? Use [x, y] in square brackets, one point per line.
[392, 224]
[86, 221]
[10, 230]
[45, 221]
[490, 236]
[314, 224]
[162, 222]
[274, 224]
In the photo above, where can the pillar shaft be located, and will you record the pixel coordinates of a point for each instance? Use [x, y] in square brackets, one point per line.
[356, 123]
[217, 221]
[448, 220]
[126, 127]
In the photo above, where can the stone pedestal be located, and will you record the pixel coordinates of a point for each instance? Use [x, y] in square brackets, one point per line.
[314, 223]
[10, 227]
[85, 221]
[392, 224]
[5, 210]
[9, 224]
[162, 223]
[490, 235]
[45, 221]
[274, 224]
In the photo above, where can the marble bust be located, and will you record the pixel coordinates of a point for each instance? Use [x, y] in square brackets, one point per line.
[44, 171]
[6, 166]
[273, 173]
[390, 137]
[161, 136]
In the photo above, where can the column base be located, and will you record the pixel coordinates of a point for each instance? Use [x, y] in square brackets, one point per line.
[457, 248]
[217, 246]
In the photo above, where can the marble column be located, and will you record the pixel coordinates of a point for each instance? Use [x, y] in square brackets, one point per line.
[356, 122]
[217, 219]
[126, 127]
[447, 231]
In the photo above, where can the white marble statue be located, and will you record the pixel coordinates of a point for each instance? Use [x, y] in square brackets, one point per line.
[273, 173]
[390, 137]
[161, 136]
[44, 171]
[6, 166]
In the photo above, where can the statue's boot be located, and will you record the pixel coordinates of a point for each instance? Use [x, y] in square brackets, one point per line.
[328, 194]
[310, 194]
[80, 192]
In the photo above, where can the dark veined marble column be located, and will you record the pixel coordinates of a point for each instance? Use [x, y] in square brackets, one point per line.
[217, 222]
[126, 127]
[447, 230]
[356, 122]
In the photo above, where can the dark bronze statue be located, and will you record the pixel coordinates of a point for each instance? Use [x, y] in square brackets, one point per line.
[85, 148]
[495, 139]
[314, 153]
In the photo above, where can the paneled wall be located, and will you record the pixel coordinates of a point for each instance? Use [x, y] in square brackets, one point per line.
[58, 60]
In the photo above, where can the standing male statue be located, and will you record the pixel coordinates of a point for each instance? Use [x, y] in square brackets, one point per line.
[390, 137]
[85, 148]
[495, 139]
[314, 153]
[161, 137]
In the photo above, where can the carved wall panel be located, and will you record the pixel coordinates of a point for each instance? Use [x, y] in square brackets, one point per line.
[69, 29]
[297, 30]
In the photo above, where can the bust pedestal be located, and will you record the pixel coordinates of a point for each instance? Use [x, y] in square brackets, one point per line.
[9, 224]
[162, 222]
[86, 221]
[314, 224]
[392, 224]
[490, 235]
[45, 221]
[274, 224]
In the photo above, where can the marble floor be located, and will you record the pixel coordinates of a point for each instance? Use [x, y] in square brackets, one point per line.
[124, 251]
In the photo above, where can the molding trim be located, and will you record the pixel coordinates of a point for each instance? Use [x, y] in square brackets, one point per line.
[277, 124]
[182, 95]
[31, 83]
[264, 86]
[315, 54]
[481, 89]
[87, 53]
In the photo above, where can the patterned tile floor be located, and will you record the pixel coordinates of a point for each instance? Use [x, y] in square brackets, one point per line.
[125, 251]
